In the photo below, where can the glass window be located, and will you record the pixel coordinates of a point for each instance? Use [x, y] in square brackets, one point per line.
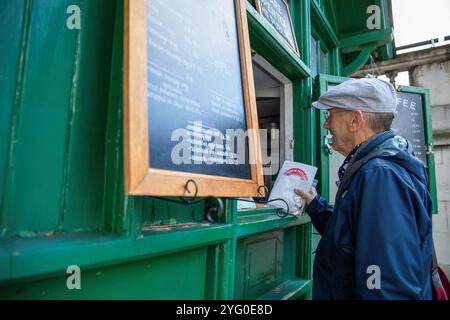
[314, 68]
[323, 62]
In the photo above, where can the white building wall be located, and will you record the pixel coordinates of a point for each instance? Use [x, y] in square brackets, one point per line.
[436, 77]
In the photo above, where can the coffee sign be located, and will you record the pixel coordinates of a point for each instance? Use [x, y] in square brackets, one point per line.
[409, 122]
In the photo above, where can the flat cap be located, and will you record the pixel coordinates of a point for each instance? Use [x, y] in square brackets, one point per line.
[368, 95]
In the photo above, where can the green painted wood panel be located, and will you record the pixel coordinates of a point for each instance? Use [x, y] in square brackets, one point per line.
[265, 262]
[85, 142]
[37, 143]
[181, 276]
[11, 26]
[54, 117]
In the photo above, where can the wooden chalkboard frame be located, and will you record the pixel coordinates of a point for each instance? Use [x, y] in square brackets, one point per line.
[140, 178]
[258, 8]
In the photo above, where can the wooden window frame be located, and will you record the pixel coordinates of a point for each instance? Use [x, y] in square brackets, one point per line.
[140, 178]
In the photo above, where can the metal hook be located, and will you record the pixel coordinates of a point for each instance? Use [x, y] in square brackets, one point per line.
[266, 191]
[182, 200]
[280, 210]
[186, 187]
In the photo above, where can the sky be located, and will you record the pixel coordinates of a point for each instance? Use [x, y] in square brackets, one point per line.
[420, 20]
[416, 21]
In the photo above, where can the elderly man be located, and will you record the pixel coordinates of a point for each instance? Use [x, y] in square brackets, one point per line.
[376, 241]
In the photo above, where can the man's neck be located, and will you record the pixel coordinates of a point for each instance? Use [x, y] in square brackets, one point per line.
[358, 138]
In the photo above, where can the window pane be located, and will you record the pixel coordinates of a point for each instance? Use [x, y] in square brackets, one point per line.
[314, 69]
[323, 62]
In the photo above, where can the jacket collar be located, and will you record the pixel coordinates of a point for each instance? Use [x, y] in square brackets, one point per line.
[372, 143]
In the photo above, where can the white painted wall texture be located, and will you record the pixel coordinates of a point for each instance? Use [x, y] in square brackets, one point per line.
[436, 77]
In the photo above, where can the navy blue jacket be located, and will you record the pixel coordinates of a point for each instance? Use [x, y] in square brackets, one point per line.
[382, 219]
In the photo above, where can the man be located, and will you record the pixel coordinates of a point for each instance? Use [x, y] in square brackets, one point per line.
[376, 241]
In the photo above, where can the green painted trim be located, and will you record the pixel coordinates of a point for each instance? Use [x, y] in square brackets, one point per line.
[418, 90]
[250, 225]
[41, 257]
[360, 60]
[225, 271]
[426, 107]
[250, 212]
[304, 128]
[386, 51]
[291, 289]
[297, 31]
[232, 268]
[232, 218]
[302, 90]
[213, 267]
[321, 24]
[229, 256]
[325, 79]
[268, 43]
[300, 11]
[381, 37]
[333, 18]
[304, 147]
[304, 261]
[5, 262]
[384, 13]
[323, 185]
[70, 124]
[114, 198]
[336, 62]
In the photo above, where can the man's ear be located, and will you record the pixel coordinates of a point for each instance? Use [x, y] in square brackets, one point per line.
[356, 120]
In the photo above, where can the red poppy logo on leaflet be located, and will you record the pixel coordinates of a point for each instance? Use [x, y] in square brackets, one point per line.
[297, 172]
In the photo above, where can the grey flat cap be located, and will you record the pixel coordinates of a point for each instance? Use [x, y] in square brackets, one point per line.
[368, 94]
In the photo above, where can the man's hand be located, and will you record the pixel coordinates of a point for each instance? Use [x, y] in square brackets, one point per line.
[307, 196]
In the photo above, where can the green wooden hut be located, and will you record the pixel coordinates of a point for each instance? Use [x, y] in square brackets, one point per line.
[62, 197]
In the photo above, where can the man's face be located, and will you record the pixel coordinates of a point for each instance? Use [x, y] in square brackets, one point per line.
[338, 124]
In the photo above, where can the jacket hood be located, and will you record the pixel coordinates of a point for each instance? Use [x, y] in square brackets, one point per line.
[397, 149]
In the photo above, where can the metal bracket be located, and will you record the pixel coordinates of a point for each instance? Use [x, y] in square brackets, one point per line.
[214, 211]
[430, 149]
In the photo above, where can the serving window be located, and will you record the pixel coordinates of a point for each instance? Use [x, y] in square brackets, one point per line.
[274, 100]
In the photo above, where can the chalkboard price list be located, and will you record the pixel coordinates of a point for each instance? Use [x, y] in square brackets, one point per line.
[409, 122]
[194, 75]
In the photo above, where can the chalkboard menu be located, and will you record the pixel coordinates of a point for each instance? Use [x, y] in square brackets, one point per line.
[190, 107]
[409, 122]
[194, 84]
[278, 14]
